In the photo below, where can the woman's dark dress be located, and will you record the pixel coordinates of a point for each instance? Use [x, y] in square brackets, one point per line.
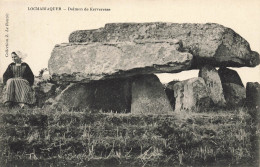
[18, 80]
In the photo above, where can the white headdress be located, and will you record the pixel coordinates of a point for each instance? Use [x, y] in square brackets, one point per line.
[20, 54]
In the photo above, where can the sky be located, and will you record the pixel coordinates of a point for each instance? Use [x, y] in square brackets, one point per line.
[37, 32]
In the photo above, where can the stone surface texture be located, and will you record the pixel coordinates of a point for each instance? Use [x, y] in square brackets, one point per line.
[112, 95]
[148, 96]
[191, 94]
[169, 90]
[213, 83]
[253, 95]
[210, 43]
[235, 94]
[229, 76]
[97, 61]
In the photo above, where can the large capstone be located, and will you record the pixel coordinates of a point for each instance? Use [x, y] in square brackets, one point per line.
[229, 76]
[213, 83]
[191, 94]
[148, 96]
[112, 95]
[97, 61]
[210, 43]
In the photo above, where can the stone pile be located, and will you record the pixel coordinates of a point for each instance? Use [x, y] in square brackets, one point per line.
[112, 68]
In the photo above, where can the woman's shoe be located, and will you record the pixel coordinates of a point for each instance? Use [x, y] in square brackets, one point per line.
[23, 106]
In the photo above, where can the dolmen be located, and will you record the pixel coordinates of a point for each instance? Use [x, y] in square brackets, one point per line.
[112, 69]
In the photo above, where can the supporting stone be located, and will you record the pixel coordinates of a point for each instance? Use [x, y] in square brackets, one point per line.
[214, 86]
[253, 95]
[112, 95]
[229, 76]
[169, 90]
[235, 95]
[191, 95]
[148, 96]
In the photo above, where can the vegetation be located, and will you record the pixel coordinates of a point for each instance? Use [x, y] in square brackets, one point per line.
[43, 137]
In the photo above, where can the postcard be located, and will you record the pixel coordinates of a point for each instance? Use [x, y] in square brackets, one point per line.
[121, 58]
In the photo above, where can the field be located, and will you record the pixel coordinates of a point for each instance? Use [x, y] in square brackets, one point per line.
[45, 137]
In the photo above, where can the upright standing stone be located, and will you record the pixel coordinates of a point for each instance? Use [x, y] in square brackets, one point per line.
[169, 90]
[253, 95]
[112, 95]
[214, 86]
[229, 76]
[235, 94]
[191, 94]
[148, 96]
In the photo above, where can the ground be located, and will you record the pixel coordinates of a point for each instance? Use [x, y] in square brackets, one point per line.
[45, 137]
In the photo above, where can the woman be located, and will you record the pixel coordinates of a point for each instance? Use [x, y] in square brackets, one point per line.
[18, 79]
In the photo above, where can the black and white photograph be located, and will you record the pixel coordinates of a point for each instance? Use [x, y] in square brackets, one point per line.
[134, 83]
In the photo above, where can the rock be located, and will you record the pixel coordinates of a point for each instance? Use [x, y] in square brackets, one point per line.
[47, 88]
[229, 76]
[148, 96]
[169, 90]
[96, 61]
[110, 95]
[253, 95]
[191, 94]
[235, 94]
[210, 43]
[213, 83]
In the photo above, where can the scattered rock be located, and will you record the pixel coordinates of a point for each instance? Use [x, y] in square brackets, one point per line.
[96, 61]
[213, 83]
[113, 95]
[148, 96]
[210, 43]
[47, 88]
[235, 95]
[191, 94]
[229, 76]
[253, 95]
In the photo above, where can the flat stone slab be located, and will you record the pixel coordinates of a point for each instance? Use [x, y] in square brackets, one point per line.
[97, 61]
[210, 43]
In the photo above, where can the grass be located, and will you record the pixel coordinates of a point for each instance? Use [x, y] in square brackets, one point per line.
[45, 137]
